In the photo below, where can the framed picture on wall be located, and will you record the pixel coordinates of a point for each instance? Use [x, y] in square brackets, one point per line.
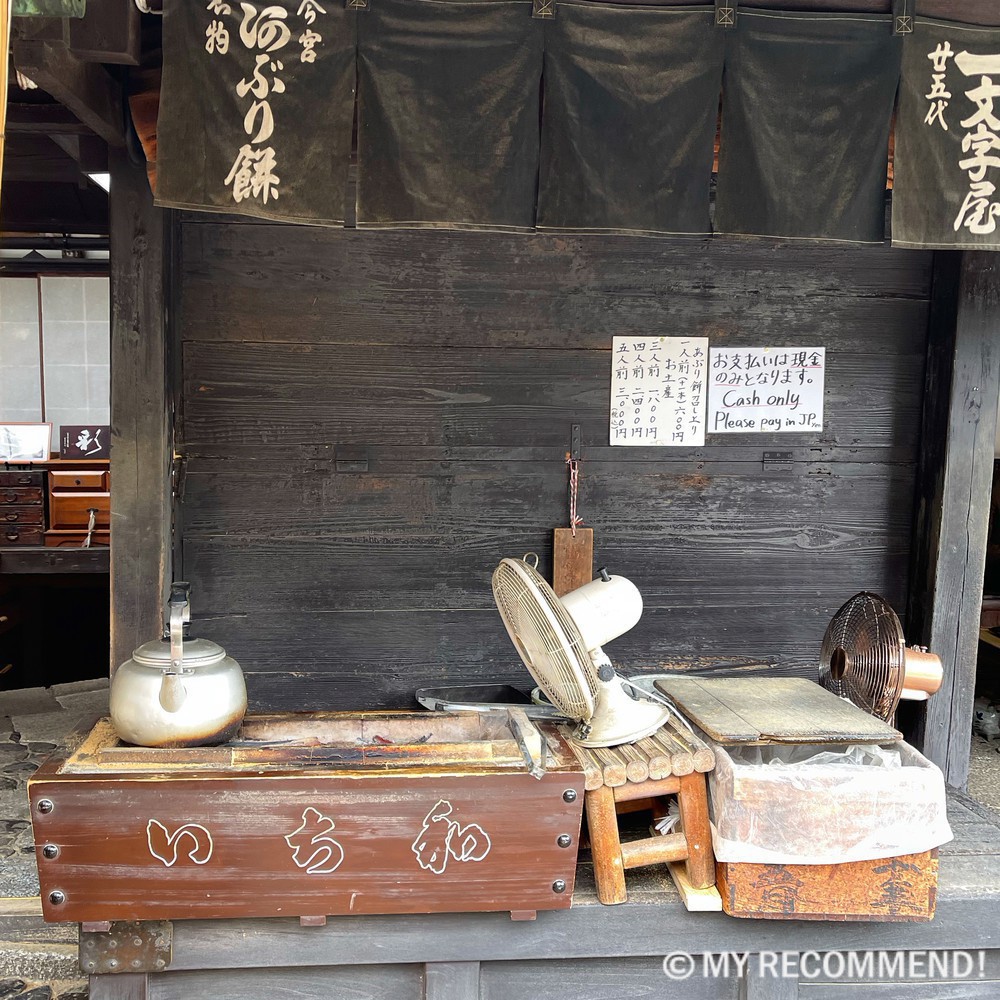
[84, 441]
[25, 442]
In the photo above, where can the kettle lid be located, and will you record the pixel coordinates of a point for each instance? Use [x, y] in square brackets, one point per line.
[197, 653]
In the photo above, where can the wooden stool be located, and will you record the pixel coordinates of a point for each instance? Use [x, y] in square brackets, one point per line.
[670, 762]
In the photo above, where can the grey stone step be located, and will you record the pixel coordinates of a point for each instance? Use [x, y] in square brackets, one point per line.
[39, 961]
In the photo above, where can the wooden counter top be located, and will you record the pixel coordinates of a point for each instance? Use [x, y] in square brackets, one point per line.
[36, 559]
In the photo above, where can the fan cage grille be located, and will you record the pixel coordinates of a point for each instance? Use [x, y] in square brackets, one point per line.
[863, 655]
[546, 637]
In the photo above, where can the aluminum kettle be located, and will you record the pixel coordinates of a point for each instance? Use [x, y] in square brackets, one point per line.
[177, 691]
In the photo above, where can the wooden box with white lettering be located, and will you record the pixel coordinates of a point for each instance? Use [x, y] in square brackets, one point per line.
[311, 815]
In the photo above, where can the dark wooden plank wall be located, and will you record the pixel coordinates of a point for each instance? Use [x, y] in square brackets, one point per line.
[457, 363]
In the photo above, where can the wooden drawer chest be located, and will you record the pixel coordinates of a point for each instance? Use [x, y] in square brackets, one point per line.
[74, 495]
[22, 507]
[51, 505]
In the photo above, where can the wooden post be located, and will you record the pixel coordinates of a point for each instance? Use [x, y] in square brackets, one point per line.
[952, 521]
[5, 7]
[141, 433]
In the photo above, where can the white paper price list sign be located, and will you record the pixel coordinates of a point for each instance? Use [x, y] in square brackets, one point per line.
[766, 389]
[658, 391]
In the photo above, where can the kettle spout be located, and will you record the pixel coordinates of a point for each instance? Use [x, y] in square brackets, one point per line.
[173, 694]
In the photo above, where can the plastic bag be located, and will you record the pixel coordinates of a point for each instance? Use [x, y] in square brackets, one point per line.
[817, 805]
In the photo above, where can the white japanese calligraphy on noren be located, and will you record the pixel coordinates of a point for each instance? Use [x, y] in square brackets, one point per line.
[309, 9]
[939, 94]
[261, 88]
[216, 38]
[253, 176]
[309, 40]
[265, 30]
[981, 143]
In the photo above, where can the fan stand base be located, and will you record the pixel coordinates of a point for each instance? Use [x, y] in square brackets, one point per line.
[618, 718]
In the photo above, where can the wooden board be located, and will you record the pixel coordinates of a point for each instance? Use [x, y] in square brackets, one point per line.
[760, 710]
[903, 888]
[572, 559]
[456, 365]
[413, 829]
[695, 900]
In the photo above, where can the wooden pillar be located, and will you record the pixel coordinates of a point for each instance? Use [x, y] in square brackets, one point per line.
[952, 519]
[141, 436]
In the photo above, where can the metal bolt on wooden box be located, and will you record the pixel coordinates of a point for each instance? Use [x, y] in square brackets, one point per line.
[310, 815]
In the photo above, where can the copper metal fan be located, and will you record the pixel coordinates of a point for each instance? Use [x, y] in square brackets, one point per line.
[865, 659]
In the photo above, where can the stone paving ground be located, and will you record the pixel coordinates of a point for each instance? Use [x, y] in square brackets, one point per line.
[984, 772]
[38, 961]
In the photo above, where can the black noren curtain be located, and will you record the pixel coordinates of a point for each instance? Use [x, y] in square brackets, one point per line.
[807, 106]
[256, 109]
[448, 113]
[628, 130]
[946, 188]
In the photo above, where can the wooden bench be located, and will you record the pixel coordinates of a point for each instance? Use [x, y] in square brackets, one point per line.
[673, 761]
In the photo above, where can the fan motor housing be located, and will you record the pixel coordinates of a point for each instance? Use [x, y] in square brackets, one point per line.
[604, 609]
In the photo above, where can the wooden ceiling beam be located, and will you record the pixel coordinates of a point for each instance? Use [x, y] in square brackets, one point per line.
[89, 151]
[36, 159]
[86, 89]
[111, 32]
[33, 207]
[985, 12]
[43, 119]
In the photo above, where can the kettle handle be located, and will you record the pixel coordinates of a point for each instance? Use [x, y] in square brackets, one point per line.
[179, 608]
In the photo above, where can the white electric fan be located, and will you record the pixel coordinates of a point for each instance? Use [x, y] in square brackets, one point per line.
[560, 640]
[865, 659]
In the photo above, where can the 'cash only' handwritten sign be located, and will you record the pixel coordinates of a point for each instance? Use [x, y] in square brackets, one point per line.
[766, 389]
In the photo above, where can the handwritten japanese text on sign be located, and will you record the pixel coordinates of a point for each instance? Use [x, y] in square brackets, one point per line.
[769, 389]
[658, 391]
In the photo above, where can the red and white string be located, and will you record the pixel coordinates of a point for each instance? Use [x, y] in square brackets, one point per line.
[574, 488]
